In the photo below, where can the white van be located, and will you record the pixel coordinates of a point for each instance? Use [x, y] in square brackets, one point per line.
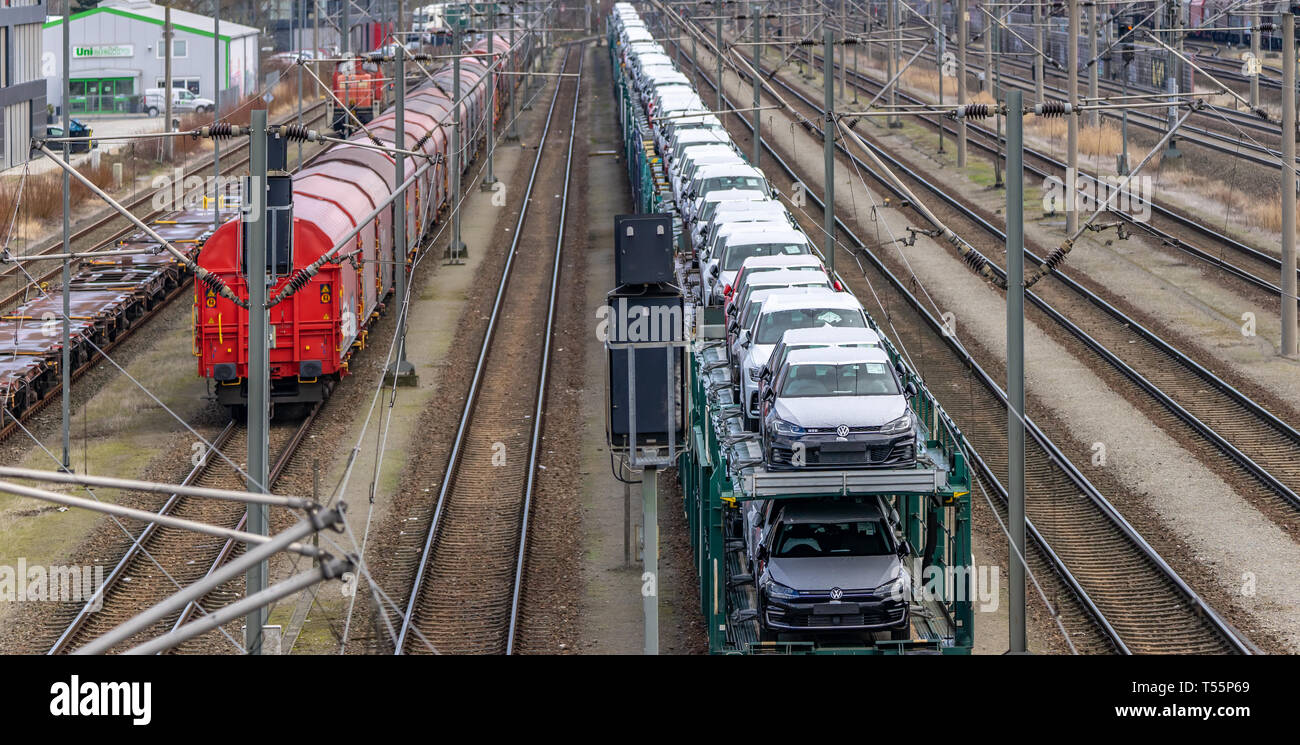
[183, 102]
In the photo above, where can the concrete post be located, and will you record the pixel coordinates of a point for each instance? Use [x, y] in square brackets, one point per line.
[1288, 186]
[962, 31]
[259, 369]
[1072, 120]
[1016, 370]
[828, 147]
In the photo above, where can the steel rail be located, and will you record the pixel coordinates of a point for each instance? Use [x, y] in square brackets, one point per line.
[861, 79]
[64, 642]
[1234, 146]
[538, 412]
[462, 428]
[111, 216]
[1164, 399]
[273, 475]
[61, 644]
[1230, 636]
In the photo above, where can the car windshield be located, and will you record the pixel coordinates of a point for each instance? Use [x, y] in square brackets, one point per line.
[773, 325]
[854, 379]
[813, 540]
[736, 255]
[753, 183]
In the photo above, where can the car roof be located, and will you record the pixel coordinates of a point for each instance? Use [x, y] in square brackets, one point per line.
[704, 117]
[740, 169]
[765, 235]
[702, 137]
[747, 222]
[828, 299]
[809, 511]
[837, 356]
[771, 296]
[666, 76]
[733, 195]
[766, 204]
[830, 335]
[784, 277]
[763, 262]
[708, 147]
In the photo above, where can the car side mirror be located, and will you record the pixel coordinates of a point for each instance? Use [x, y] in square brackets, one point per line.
[911, 388]
[765, 373]
[715, 270]
[744, 338]
[769, 395]
[731, 327]
[900, 369]
[762, 552]
[731, 310]
[904, 548]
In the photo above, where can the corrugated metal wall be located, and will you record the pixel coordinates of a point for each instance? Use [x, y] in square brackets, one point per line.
[17, 133]
[26, 44]
[23, 53]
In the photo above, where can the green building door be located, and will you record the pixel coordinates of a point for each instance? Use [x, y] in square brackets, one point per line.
[101, 95]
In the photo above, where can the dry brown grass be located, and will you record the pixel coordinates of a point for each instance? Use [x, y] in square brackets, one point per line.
[1051, 128]
[1104, 140]
[1239, 207]
[42, 196]
[927, 81]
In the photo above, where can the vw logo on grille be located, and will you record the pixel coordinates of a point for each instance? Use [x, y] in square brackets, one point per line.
[842, 430]
[836, 593]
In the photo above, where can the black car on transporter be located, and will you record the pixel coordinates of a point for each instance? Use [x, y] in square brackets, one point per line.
[829, 566]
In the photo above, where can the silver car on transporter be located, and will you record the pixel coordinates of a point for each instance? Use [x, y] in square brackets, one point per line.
[838, 407]
[828, 567]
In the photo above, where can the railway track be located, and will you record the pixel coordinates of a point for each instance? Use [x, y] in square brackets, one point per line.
[1120, 594]
[465, 596]
[1255, 267]
[160, 559]
[236, 158]
[1241, 437]
[1220, 129]
[7, 424]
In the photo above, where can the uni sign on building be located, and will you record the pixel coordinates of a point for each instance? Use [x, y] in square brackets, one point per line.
[118, 53]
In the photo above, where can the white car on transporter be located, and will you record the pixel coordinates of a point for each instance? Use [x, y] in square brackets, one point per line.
[720, 268]
[779, 315]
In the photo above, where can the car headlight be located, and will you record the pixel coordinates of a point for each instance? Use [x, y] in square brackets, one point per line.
[901, 424]
[900, 588]
[780, 591]
[753, 373]
[788, 428]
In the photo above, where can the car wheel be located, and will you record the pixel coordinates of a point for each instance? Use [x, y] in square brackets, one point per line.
[153, 111]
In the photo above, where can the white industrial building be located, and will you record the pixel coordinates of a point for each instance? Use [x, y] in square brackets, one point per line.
[118, 53]
[22, 92]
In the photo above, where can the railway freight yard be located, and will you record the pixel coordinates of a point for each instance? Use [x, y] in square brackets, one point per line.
[679, 327]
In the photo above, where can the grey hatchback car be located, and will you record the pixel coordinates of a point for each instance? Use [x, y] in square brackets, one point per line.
[830, 566]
